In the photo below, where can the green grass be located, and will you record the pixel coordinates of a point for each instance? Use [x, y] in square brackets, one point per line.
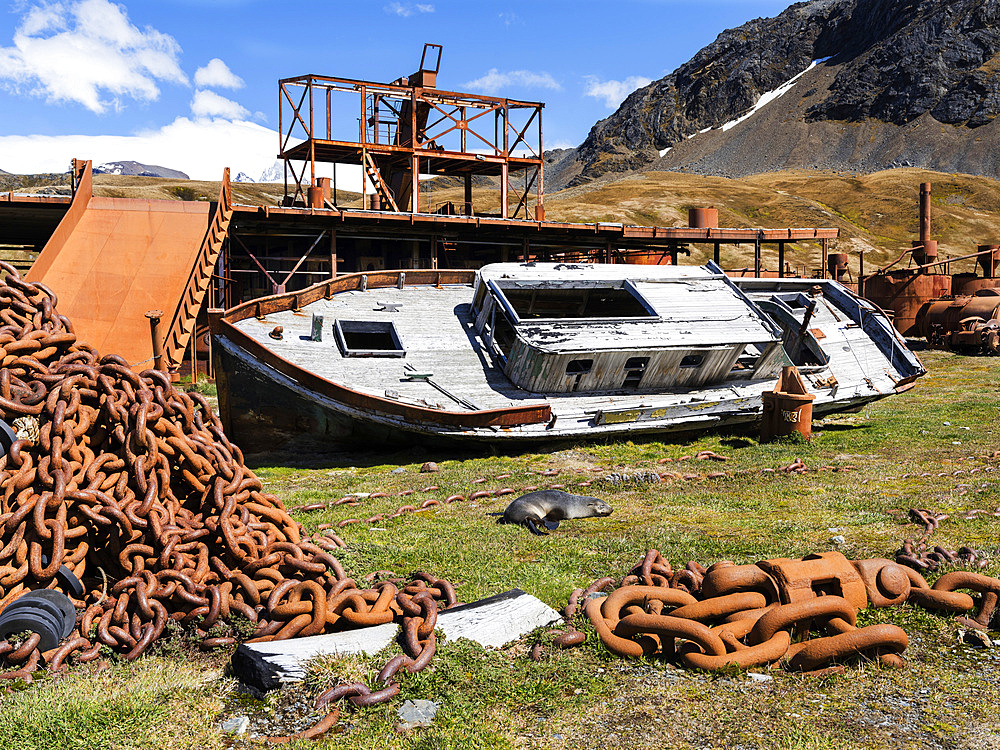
[948, 695]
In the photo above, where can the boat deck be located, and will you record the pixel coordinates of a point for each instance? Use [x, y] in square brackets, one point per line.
[435, 327]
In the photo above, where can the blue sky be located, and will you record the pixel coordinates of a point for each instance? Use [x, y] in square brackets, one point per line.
[192, 84]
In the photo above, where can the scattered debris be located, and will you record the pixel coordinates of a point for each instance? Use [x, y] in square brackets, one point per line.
[236, 725]
[418, 713]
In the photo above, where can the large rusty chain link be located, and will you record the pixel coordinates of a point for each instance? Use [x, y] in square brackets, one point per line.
[802, 612]
[122, 481]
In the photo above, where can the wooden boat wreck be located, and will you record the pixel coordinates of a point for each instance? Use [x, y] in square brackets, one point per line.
[522, 353]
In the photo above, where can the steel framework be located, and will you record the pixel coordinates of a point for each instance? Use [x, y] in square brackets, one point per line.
[405, 129]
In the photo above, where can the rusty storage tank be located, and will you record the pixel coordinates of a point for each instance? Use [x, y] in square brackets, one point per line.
[836, 266]
[970, 283]
[947, 314]
[703, 218]
[904, 293]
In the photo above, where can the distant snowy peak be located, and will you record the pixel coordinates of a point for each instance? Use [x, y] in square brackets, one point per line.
[243, 177]
[135, 169]
[274, 173]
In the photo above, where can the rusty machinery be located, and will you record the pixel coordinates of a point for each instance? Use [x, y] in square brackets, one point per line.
[914, 295]
[398, 131]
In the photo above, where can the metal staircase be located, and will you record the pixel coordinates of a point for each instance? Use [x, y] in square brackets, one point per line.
[182, 324]
[375, 177]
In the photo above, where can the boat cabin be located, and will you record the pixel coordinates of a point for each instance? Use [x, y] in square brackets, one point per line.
[561, 328]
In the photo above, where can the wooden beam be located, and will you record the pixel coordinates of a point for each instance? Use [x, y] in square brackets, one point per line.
[491, 622]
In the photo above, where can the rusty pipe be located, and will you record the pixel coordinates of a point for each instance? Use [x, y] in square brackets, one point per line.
[154, 333]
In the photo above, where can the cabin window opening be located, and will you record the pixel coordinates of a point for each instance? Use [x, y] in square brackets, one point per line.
[747, 360]
[531, 302]
[579, 368]
[692, 361]
[635, 367]
[367, 338]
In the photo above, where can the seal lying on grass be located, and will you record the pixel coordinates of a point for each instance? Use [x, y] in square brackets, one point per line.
[548, 507]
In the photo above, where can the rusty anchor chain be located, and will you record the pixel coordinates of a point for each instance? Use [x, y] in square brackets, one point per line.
[128, 488]
[799, 612]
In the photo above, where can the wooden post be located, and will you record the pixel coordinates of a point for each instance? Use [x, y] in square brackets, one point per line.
[333, 253]
[193, 340]
[781, 260]
[434, 252]
[415, 189]
[861, 273]
[468, 192]
[503, 190]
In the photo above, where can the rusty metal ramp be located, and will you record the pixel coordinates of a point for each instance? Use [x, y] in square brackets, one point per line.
[113, 259]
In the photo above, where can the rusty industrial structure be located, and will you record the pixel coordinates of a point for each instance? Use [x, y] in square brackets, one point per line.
[952, 311]
[111, 261]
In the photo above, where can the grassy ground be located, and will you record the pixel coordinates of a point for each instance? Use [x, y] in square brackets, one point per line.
[947, 696]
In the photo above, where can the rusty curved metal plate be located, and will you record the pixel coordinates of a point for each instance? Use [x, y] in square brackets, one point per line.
[122, 258]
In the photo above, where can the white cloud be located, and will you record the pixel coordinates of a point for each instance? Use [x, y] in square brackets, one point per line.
[88, 52]
[210, 104]
[201, 148]
[495, 81]
[408, 9]
[613, 92]
[216, 74]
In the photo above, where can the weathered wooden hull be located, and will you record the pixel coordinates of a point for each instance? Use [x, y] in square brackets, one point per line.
[264, 410]
[269, 403]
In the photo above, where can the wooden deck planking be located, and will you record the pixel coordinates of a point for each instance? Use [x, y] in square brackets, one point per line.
[435, 327]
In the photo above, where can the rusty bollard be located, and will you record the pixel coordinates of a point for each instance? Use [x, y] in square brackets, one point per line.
[788, 408]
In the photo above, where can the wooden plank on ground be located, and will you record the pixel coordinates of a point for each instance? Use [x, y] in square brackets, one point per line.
[491, 622]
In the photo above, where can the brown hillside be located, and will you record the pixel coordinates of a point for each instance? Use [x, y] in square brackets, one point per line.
[876, 213]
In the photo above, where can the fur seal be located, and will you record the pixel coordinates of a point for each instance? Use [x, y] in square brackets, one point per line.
[548, 507]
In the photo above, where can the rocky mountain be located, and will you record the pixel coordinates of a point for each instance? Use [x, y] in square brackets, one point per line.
[135, 169]
[857, 85]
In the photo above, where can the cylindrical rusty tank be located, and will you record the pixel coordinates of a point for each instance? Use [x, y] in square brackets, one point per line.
[903, 293]
[925, 251]
[703, 218]
[836, 265]
[967, 284]
[946, 315]
[319, 193]
[990, 262]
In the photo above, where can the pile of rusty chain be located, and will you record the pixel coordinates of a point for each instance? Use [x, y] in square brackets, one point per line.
[130, 486]
[800, 612]
[920, 555]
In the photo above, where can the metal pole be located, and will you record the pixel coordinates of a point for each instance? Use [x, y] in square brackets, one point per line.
[154, 333]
